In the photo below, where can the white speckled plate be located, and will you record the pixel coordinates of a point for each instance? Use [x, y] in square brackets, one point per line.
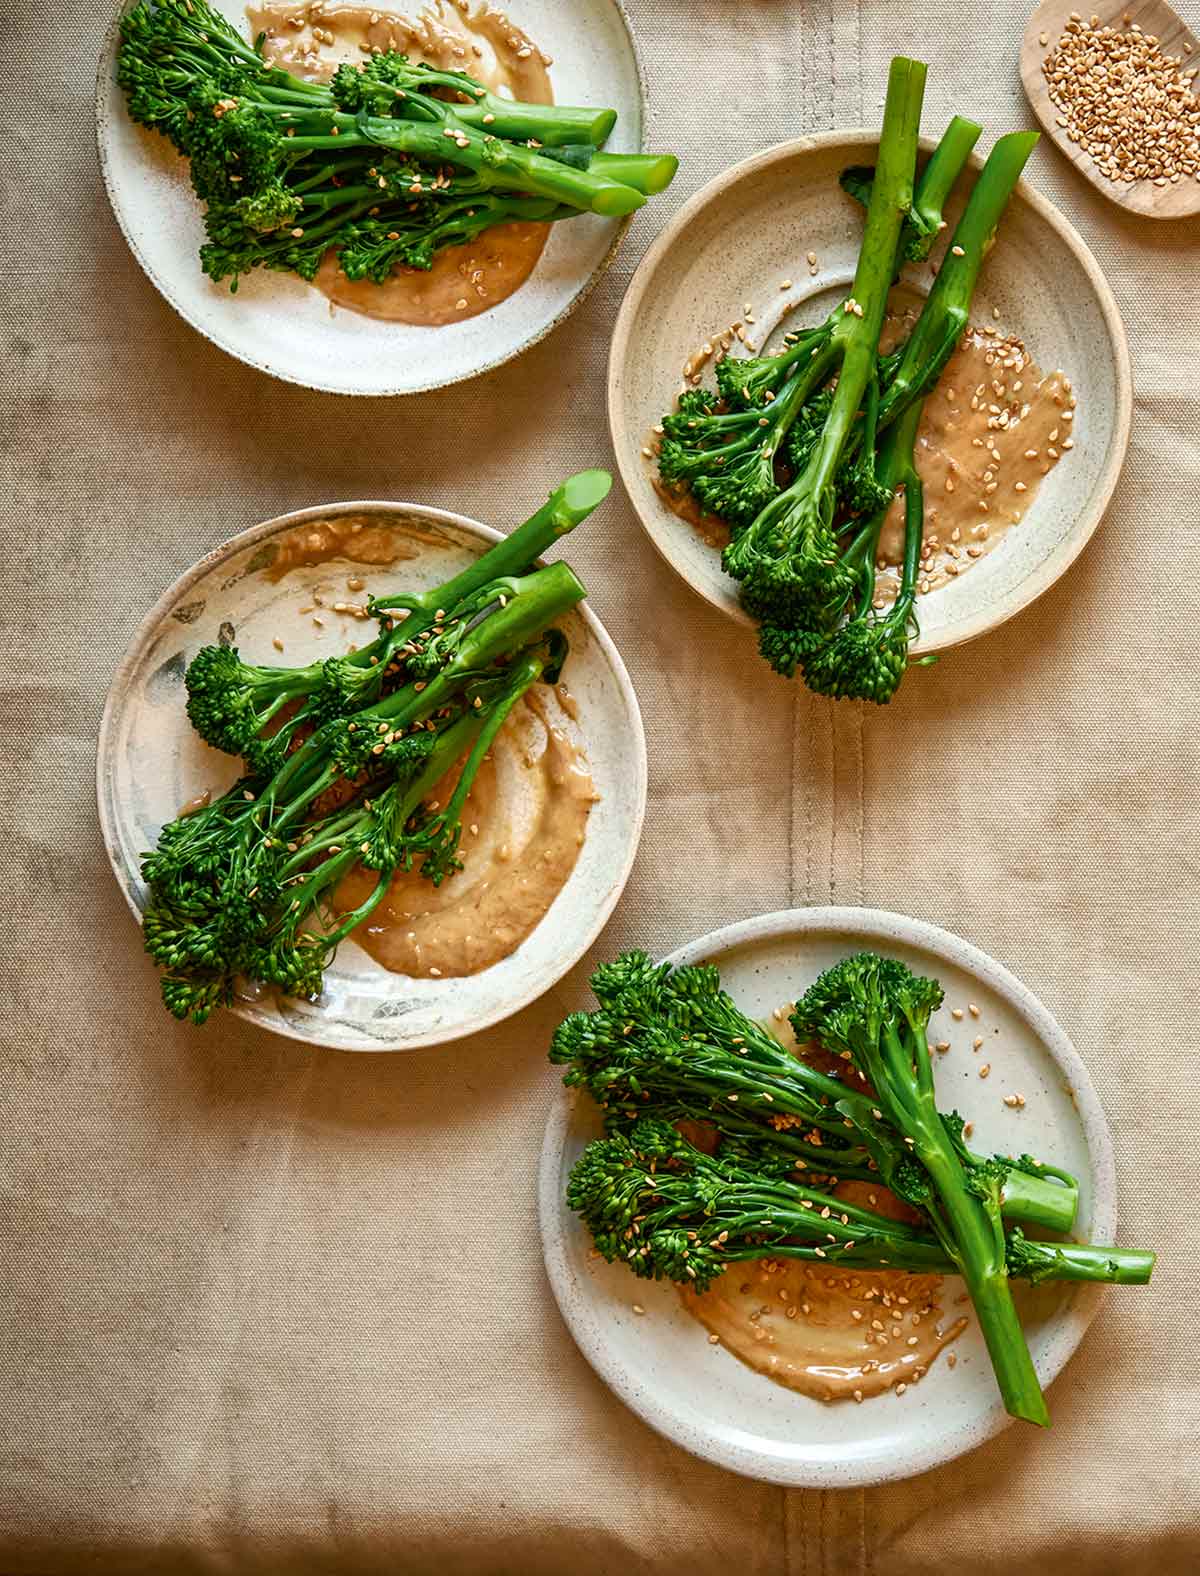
[282, 325]
[661, 1363]
[150, 763]
[781, 205]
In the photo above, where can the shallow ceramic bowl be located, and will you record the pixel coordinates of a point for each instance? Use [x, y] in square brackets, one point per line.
[282, 325]
[661, 1363]
[150, 763]
[752, 228]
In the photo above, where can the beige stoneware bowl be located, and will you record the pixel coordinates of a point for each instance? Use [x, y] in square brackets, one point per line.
[659, 1360]
[150, 763]
[282, 325]
[752, 228]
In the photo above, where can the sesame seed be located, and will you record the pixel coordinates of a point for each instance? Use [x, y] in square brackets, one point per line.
[985, 1069]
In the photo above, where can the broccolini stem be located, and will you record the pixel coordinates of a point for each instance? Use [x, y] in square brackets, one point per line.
[1056, 1261]
[942, 169]
[501, 164]
[1074, 1261]
[515, 554]
[553, 125]
[945, 315]
[856, 333]
[902, 472]
[649, 173]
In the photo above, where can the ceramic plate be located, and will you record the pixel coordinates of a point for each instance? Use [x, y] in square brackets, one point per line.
[282, 325]
[661, 1363]
[150, 763]
[1041, 280]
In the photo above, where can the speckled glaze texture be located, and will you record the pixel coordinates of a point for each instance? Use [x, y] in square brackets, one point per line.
[282, 325]
[661, 1364]
[785, 203]
[150, 764]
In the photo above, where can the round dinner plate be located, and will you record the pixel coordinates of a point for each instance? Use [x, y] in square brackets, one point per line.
[150, 763]
[661, 1363]
[282, 325]
[1040, 282]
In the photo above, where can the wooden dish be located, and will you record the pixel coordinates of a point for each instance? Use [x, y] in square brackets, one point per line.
[1154, 17]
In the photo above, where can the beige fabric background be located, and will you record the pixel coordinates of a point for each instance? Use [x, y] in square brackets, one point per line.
[268, 1310]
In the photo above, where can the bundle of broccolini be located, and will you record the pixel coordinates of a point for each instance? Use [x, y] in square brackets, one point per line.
[668, 1052]
[341, 758]
[387, 164]
[802, 453]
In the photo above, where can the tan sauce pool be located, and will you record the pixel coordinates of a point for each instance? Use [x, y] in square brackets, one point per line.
[524, 824]
[994, 426]
[371, 540]
[312, 40]
[833, 1334]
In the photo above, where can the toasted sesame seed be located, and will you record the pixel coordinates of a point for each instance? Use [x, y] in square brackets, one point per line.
[985, 1069]
[1124, 102]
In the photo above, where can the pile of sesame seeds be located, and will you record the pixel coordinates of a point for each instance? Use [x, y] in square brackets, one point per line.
[1128, 105]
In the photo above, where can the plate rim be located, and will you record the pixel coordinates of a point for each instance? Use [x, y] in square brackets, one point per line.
[143, 636]
[1071, 1326]
[103, 94]
[1053, 568]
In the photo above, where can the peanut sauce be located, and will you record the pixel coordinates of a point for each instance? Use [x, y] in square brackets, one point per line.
[523, 826]
[833, 1333]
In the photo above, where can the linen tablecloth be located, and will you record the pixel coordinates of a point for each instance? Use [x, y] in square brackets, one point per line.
[270, 1309]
